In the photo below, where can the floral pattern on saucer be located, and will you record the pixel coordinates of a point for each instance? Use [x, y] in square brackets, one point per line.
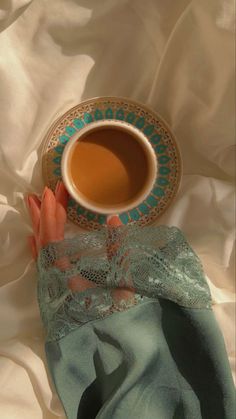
[151, 124]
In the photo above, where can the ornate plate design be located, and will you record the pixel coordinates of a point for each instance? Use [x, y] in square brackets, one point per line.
[143, 118]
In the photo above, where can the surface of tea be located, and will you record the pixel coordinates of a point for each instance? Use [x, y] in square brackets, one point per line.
[109, 166]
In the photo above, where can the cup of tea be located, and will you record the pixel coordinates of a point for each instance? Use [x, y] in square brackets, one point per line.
[109, 167]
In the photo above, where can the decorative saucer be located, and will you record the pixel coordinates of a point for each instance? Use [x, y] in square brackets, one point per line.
[143, 118]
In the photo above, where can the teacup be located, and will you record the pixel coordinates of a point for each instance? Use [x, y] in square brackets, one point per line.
[109, 167]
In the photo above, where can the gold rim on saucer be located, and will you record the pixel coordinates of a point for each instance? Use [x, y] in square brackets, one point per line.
[126, 110]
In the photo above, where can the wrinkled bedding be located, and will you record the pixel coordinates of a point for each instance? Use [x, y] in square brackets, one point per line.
[177, 57]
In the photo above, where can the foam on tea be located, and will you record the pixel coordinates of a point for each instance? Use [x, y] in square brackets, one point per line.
[109, 166]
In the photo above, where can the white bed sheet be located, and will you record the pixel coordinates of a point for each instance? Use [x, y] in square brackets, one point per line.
[176, 56]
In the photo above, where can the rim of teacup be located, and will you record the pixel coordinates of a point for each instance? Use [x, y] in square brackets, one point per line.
[111, 209]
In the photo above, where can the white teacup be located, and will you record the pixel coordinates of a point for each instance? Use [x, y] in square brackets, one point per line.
[148, 183]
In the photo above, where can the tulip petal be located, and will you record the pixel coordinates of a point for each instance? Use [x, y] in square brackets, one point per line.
[48, 225]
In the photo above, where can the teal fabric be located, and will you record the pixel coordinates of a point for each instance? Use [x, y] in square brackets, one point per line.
[153, 262]
[156, 354]
[154, 360]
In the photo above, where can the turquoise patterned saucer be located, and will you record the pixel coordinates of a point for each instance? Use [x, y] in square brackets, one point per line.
[155, 129]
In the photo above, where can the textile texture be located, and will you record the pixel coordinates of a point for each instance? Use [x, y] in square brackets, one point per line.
[176, 57]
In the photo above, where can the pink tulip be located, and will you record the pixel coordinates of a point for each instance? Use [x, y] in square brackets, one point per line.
[48, 218]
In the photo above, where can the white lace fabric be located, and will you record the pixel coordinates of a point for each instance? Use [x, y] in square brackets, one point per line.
[115, 269]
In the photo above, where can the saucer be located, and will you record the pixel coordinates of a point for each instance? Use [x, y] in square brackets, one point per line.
[131, 112]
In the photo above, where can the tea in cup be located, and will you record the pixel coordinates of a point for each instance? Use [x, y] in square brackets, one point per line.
[109, 167]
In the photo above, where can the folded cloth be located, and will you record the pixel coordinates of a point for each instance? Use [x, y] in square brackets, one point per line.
[136, 337]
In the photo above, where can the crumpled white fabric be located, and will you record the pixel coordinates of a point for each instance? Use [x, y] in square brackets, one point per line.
[177, 57]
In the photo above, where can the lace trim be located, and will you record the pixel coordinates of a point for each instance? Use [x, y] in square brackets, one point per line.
[95, 274]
